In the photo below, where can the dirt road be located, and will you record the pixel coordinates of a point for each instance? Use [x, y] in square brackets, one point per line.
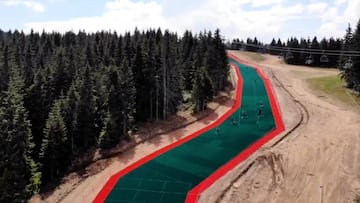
[318, 162]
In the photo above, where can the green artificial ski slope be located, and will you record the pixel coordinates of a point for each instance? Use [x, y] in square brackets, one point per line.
[169, 177]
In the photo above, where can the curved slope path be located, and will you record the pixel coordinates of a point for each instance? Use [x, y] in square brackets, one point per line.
[184, 169]
[319, 161]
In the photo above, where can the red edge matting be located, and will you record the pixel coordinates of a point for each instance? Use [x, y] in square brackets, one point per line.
[110, 184]
[194, 194]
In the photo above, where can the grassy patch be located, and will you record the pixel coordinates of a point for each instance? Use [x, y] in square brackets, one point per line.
[334, 87]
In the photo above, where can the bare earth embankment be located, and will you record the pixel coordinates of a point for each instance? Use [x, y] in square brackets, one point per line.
[83, 185]
[318, 161]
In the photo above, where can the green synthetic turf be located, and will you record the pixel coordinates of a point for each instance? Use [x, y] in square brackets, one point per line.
[170, 176]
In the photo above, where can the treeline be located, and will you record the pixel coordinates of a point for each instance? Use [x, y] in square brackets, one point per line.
[61, 94]
[338, 53]
[300, 56]
[253, 45]
[297, 57]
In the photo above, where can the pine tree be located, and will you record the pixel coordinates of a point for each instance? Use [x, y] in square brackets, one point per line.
[171, 76]
[202, 90]
[143, 86]
[71, 115]
[54, 149]
[28, 68]
[186, 51]
[61, 77]
[18, 172]
[108, 136]
[347, 73]
[316, 57]
[114, 120]
[221, 61]
[356, 59]
[85, 130]
[128, 94]
[4, 70]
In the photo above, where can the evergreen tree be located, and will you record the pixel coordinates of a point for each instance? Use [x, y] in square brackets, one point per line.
[316, 57]
[128, 94]
[108, 135]
[85, 129]
[356, 59]
[121, 104]
[4, 70]
[54, 149]
[202, 91]
[172, 75]
[186, 51]
[19, 177]
[347, 72]
[221, 61]
[71, 115]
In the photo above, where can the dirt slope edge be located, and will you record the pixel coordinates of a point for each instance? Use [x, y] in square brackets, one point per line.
[317, 161]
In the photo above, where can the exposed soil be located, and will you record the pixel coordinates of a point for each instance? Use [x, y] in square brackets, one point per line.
[318, 159]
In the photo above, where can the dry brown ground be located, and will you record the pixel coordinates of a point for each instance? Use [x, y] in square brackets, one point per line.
[318, 162]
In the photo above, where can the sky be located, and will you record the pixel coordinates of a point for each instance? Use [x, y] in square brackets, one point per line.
[263, 19]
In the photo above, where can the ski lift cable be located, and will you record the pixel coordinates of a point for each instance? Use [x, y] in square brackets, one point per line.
[316, 52]
[301, 50]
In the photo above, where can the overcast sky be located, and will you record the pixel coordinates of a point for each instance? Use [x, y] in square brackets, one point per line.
[235, 18]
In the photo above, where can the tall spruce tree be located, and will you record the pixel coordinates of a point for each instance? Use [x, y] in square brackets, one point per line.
[19, 177]
[85, 129]
[202, 91]
[356, 59]
[54, 154]
[347, 72]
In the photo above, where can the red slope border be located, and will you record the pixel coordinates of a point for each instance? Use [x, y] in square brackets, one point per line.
[194, 194]
[196, 191]
[110, 184]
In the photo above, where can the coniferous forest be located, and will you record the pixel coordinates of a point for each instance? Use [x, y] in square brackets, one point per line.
[61, 94]
[342, 53]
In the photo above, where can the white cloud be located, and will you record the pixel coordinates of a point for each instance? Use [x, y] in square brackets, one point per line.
[334, 20]
[317, 8]
[121, 15]
[339, 2]
[236, 18]
[33, 5]
[351, 13]
[228, 15]
[259, 3]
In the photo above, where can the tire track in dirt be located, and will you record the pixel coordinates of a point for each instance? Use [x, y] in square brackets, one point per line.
[272, 159]
[304, 113]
